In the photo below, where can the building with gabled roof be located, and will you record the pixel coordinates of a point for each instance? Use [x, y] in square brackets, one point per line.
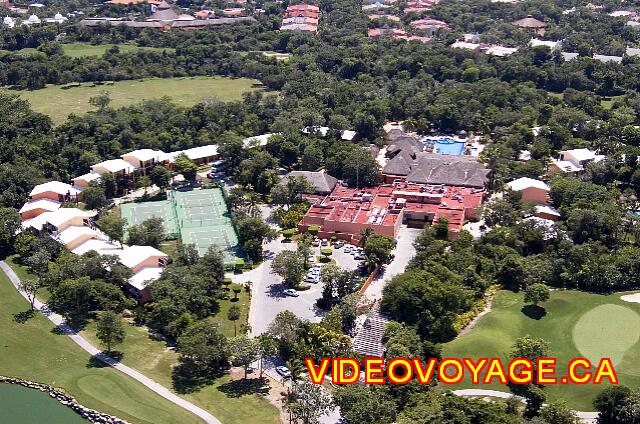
[37, 207]
[574, 160]
[531, 23]
[55, 190]
[531, 190]
[322, 182]
[114, 166]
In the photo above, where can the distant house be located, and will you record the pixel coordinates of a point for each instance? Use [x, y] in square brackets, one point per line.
[569, 56]
[346, 135]
[607, 59]
[553, 45]
[466, 45]
[233, 12]
[531, 23]
[573, 161]
[532, 191]
[322, 182]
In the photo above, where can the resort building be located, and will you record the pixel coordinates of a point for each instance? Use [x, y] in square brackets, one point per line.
[573, 161]
[117, 167]
[532, 191]
[35, 208]
[166, 18]
[429, 168]
[553, 45]
[55, 190]
[346, 135]
[301, 17]
[347, 211]
[144, 159]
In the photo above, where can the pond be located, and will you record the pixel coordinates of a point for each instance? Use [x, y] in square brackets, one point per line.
[21, 405]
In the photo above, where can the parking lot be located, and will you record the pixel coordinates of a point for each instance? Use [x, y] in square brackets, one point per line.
[268, 297]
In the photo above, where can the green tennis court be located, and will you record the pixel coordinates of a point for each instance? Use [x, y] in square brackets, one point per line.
[136, 213]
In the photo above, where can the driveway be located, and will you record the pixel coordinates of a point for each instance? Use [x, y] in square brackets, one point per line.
[403, 252]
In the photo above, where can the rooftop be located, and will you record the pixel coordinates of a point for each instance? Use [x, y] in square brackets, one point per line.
[145, 276]
[113, 165]
[144, 155]
[46, 204]
[131, 256]
[321, 181]
[95, 245]
[464, 171]
[72, 233]
[525, 182]
[56, 187]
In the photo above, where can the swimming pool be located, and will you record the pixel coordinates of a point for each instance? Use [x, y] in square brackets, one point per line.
[448, 146]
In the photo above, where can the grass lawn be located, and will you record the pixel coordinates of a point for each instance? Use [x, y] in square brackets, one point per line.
[31, 350]
[575, 324]
[224, 325]
[58, 102]
[76, 50]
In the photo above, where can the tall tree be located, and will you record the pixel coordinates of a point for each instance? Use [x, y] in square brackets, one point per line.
[307, 402]
[290, 266]
[112, 224]
[110, 329]
[30, 287]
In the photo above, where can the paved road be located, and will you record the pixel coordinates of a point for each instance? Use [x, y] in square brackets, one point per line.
[403, 252]
[585, 416]
[93, 351]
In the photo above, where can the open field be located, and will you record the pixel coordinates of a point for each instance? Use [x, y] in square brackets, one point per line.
[33, 351]
[155, 360]
[574, 323]
[58, 102]
[76, 50]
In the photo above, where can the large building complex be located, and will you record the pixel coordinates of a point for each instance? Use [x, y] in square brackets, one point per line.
[347, 211]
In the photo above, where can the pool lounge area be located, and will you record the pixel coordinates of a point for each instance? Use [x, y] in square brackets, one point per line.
[445, 145]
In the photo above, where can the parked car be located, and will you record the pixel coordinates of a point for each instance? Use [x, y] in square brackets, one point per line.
[338, 244]
[283, 371]
[291, 292]
[315, 243]
[311, 259]
[359, 256]
[325, 242]
[347, 249]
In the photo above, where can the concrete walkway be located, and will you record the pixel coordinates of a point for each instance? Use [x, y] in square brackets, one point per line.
[93, 351]
[585, 417]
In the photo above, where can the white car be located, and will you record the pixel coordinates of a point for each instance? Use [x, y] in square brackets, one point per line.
[325, 242]
[291, 292]
[347, 249]
[283, 371]
[338, 244]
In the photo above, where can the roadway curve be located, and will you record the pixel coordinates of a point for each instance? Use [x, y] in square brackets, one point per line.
[95, 352]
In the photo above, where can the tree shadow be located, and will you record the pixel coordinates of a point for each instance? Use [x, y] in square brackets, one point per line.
[238, 388]
[95, 362]
[187, 380]
[22, 317]
[534, 311]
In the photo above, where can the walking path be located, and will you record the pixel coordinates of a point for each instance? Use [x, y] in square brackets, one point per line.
[93, 351]
[585, 417]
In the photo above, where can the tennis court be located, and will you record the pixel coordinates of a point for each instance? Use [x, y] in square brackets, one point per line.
[200, 217]
[205, 221]
[136, 213]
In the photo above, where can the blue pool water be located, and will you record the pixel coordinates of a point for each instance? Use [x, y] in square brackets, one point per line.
[448, 146]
